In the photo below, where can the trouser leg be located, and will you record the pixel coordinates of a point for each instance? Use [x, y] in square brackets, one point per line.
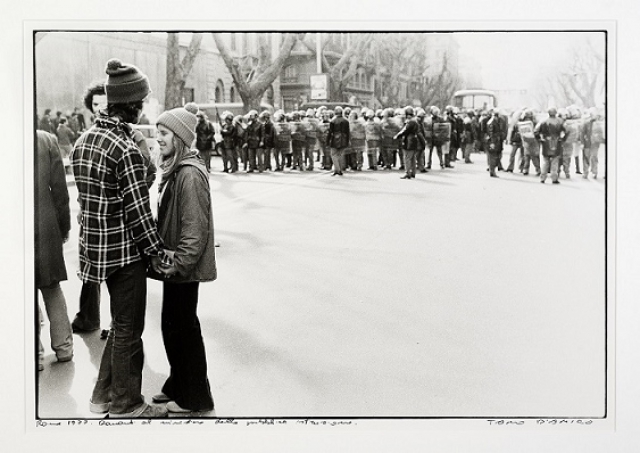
[59, 325]
[120, 374]
[88, 318]
[187, 384]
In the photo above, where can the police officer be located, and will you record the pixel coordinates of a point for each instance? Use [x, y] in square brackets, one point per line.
[494, 141]
[411, 136]
[269, 138]
[436, 141]
[373, 136]
[254, 142]
[338, 139]
[551, 132]
[229, 136]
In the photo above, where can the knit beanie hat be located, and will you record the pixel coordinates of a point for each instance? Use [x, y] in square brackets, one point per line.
[181, 121]
[125, 83]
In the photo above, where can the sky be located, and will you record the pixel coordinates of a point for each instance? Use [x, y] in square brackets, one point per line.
[512, 60]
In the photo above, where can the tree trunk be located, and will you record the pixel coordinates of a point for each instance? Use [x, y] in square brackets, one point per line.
[264, 74]
[177, 71]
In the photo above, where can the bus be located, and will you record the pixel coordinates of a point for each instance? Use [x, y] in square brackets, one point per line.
[475, 99]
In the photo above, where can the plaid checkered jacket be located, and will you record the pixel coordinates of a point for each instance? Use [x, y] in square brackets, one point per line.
[117, 225]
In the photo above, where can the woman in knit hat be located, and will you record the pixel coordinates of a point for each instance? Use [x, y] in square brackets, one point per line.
[185, 223]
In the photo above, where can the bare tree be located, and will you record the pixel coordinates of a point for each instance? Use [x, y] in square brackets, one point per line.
[253, 76]
[342, 70]
[178, 71]
[578, 79]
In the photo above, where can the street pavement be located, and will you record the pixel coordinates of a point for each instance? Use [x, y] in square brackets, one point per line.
[450, 295]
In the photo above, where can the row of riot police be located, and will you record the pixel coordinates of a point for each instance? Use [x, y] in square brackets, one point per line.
[339, 139]
[564, 137]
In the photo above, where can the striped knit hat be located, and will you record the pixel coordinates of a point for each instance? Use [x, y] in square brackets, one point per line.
[125, 83]
[181, 121]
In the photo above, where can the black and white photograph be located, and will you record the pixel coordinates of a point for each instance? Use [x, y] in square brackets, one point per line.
[316, 228]
[322, 224]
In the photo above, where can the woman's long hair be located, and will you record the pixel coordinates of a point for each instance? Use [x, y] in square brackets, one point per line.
[169, 164]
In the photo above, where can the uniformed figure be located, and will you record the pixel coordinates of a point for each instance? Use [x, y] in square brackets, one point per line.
[495, 136]
[389, 144]
[410, 136]
[323, 131]
[551, 133]
[469, 139]
[358, 139]
[449, 146]
[437, 141]
[422, 144]
[282, 146]
[241, 150]
[229, 137]
[311, 134]
[398, 153]
[571, 142]
[254, 142]
[526, 129]
[338, 139]
[373, 136]
[592, 138]
[298, 141]
[516, 145]
[269, 138]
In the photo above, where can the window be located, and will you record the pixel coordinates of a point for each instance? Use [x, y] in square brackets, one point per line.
[219, 93]
[290, 74]
[232, 94]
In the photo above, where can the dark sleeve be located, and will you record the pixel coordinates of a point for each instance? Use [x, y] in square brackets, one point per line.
[195, 215]
[58, 187]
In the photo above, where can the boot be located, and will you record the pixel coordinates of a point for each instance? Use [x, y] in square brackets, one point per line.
[578, 172]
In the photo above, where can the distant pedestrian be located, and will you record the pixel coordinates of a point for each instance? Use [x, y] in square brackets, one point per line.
[205, 143]
[52, 227]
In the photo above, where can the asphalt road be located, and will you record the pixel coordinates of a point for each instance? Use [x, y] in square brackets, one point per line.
[453, 294]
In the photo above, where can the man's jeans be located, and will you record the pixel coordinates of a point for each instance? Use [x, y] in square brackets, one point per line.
[120, 375]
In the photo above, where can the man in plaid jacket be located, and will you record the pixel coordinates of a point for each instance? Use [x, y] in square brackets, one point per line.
[117, 238]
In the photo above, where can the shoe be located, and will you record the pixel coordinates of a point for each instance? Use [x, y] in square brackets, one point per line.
[555, 182]
[144, 411]
[424, 170]
[525, 173]
[578, 172]
[406, 177]
[40, 366]
[542, 181]
[335, 173]
[401, 167]
[509, 171]
[99, 408]
[66, 358]
[493, 175]
[104, 334]
[341, 174]
[249, 171]
[160, 398]
[468, 161]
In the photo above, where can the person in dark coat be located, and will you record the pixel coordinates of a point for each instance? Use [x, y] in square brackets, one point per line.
[52, 225]
[495, 134]
[338, 139]
[412, 139]
[551, 133]
[45, 123]
[205, 143]
[185, 224]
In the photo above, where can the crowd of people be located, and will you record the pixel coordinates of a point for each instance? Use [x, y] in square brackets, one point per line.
[122, 244]
[403, 138]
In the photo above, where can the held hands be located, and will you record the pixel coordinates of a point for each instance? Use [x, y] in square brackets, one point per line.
[164, 266]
